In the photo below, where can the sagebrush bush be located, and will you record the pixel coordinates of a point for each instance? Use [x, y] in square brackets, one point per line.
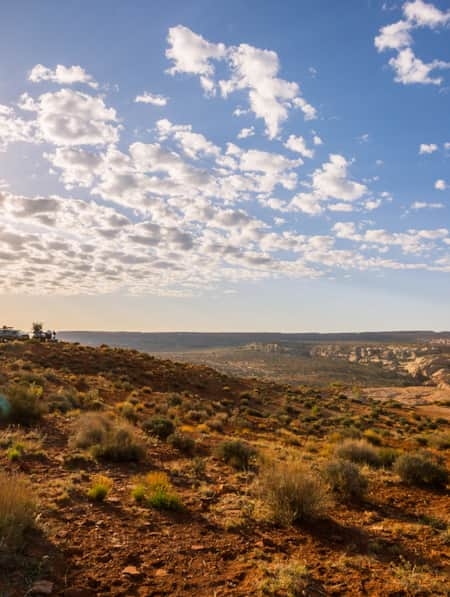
[358, 451]
[236, 453]
[160, 427]
[372, 437]
[293, 492]
[107, 439]
[345, 479]
[100, 488]
[63, 401]
[387, 456]
[92, 429]
[182, 442]
[286, 578]
[22, 404]
[17, 509]
[421, 469]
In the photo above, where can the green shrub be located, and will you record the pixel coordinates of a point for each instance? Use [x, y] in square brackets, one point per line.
[100, 488]
[387, 457]
[22, 404]
[119, 445]
[441, 441]
[107, 440]
[293, 492]
[372, 437]
[421, 469]
[15, 452]
[156, 491]
[17, 509]
[236, 453]
[159, 427]
[358, 451]
[92, 429]
[182, 442]
[345, 479]
[62, 401]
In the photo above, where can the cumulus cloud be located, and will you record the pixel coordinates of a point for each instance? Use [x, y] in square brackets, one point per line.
[246, 132]
[69, 117]
[408, 68]
[298, 144]
[62, 75]
[192, 54]
[427, 148]
[251, 69]
[440, 185]
[329, 182]
[14, 129]
[151, 98]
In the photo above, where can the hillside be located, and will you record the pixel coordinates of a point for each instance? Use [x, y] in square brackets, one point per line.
[212, 485]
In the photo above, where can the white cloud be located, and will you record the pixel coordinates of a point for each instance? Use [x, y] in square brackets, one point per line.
[410, 69]
[427, 148]
[424, 205]
[424, 14]
[192, 54]
[251, 69]
[151, 98]
[298, 145]
[14, 129]
[330, 181]
[317, 140]
[394, 37]
[63, 75]
[440, 185]
[246, 132]
[69, 117]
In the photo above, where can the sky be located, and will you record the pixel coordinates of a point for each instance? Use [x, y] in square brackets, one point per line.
[225, 166]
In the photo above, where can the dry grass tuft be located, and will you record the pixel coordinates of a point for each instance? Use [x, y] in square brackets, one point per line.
[293, 492]
[17, 509]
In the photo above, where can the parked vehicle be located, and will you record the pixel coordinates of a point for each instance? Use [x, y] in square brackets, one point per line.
[7, 334]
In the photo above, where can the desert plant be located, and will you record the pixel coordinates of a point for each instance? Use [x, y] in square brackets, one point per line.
[345, 479]
[387, 456]
[372, 437]
[22, 404]
[15, 452]
[159, 427]
[100, 488]
[293, 492]
[421, 469]
[107, 440]
[236, 453]
[156, 490]
[128, 411]
[17, 509]
[92, 429]
[290, 579]
[182, 442]
[358, 451]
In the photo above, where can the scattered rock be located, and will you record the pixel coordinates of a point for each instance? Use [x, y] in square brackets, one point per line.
[131, 571]
[41, 587]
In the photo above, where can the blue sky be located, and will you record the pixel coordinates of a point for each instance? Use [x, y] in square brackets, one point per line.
[236, 166]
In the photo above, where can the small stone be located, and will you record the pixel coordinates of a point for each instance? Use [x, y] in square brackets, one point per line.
[131, 571]
[161, 572]
[42, 587]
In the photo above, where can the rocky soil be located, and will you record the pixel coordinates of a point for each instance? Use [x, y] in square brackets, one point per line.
[394, 542]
